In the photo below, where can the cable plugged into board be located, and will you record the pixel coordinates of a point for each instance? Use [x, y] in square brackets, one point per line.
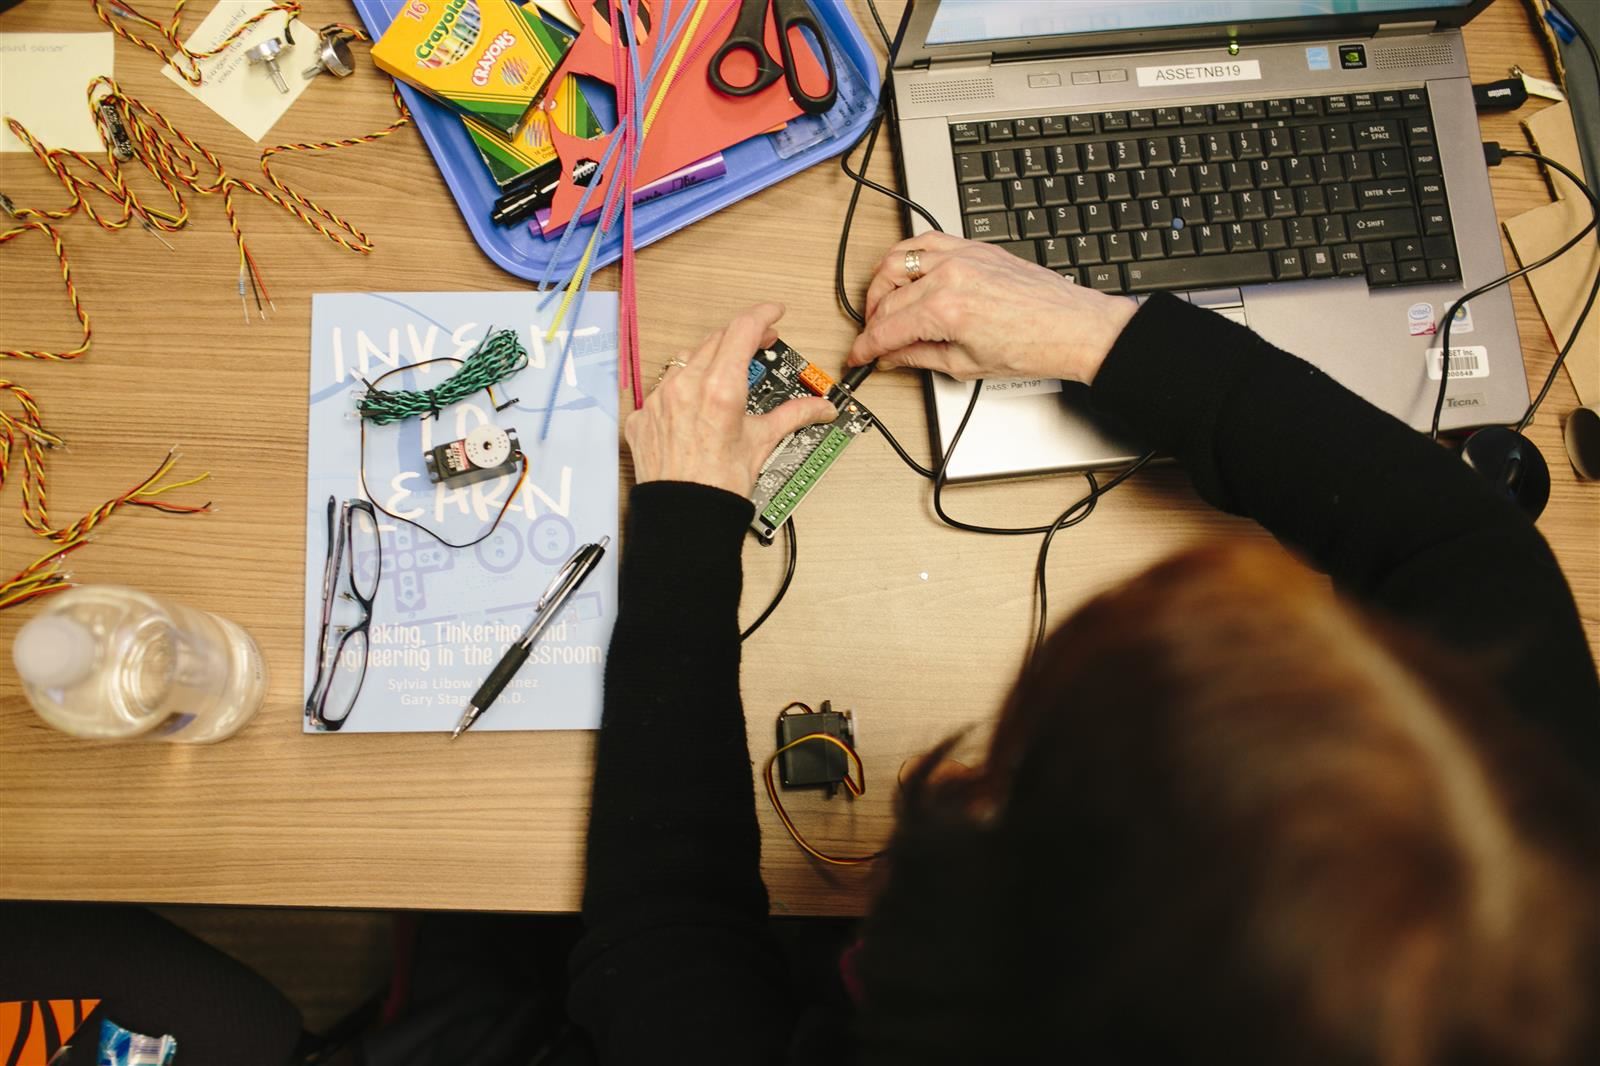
[779, 374]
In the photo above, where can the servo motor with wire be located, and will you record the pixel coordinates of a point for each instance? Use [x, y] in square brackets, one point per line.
[816, 749]
[808, 765]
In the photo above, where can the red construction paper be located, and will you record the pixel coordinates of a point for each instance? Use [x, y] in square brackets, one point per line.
[695, 120]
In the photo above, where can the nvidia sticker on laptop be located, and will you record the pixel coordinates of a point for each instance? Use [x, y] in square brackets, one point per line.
[1200, 73]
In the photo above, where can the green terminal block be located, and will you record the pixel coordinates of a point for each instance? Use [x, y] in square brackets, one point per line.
[794, 490]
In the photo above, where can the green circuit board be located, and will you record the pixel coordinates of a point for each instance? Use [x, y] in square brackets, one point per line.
[777, 375]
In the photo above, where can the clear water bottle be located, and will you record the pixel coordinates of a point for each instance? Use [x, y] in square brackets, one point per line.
[112, 663]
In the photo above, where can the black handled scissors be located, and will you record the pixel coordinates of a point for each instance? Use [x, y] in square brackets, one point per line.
[749, 31]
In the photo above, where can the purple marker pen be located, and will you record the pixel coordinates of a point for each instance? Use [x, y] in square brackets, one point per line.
[707, 169]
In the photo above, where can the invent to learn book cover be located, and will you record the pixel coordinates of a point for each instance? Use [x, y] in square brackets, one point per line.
[443, 616]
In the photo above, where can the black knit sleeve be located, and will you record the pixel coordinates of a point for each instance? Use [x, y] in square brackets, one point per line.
[677, 964]
[1395, 519]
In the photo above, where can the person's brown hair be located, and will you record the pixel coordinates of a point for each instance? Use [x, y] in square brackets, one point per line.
[1226, 816]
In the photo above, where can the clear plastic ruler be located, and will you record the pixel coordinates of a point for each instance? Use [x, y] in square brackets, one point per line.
[855, 99]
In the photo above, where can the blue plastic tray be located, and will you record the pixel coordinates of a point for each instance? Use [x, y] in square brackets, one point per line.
[752, 165]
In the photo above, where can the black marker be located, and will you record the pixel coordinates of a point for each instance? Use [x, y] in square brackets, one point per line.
[536, 189]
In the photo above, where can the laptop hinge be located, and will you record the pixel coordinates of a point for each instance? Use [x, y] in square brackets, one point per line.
[1404, 29]
[965, 61]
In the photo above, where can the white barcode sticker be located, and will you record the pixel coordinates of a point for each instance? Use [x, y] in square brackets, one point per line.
[1471, 361]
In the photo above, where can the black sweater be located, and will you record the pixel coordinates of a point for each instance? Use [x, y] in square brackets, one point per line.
[677, 965]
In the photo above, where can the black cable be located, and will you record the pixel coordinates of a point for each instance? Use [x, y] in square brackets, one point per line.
[904, 455]
[788, 575]
[1076, 512]
[1594, 207]
[1588, 304]
[1066, 520]
[870, 136]
[862, 180]
[1561, 357]
[372, 389]
[883, 31]
[1506, 279]
[1041, 580]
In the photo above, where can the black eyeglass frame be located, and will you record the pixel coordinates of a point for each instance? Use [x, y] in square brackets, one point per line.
[341, 561]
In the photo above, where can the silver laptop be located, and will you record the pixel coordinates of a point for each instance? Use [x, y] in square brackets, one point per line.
[1309, 168]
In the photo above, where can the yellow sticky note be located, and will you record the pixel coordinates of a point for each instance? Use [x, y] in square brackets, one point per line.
[235, 88]
[44, 81]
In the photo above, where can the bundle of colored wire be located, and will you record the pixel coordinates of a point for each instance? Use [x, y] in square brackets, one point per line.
[40, 578]
[43, 575]
[435, 399]
[189, 69]
[497, 358]
[856, 787]
[178, 163]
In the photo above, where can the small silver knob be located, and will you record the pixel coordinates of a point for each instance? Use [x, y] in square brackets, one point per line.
[267, 52]
[333, 56]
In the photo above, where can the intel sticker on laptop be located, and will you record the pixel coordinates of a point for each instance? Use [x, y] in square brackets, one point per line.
[1419, 320]
[1200, 73]
[1319, 58]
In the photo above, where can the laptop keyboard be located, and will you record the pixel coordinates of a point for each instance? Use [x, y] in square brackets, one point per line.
[1215, 194]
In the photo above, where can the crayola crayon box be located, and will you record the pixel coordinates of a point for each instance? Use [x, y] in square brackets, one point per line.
[488, 59]
[529, 147]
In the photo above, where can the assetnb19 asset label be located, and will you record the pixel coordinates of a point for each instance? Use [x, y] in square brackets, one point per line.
[1200, 73]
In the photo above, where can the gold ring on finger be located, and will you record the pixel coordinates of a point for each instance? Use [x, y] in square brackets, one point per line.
[671, 363]
[914, 263]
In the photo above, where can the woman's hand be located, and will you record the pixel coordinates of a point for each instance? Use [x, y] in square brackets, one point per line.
[978, 311]
[693, 426]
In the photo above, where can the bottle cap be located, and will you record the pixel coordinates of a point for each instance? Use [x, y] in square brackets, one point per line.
[54, 652]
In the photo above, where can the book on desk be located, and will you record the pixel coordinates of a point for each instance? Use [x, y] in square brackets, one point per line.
[443, 616]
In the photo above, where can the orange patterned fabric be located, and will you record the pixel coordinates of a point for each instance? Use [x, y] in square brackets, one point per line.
[33, 1031]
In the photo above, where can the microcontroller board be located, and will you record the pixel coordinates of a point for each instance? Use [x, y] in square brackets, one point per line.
[778, 374]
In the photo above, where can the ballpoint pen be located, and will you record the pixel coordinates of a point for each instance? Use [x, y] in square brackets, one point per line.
[562, 586]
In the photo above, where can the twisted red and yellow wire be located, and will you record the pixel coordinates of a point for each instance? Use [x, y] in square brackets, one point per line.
[177, 162]
[72, 295]
[857, 787]
[44, 575]
[114, 14]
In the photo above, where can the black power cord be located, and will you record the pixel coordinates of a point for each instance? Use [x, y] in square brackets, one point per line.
[1594, 288]
[793, 544]
[1076, 512]
[1492, 155]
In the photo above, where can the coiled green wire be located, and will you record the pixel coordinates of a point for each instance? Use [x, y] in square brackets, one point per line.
[497, 358]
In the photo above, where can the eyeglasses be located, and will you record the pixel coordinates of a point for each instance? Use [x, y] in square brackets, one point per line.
[350, 575]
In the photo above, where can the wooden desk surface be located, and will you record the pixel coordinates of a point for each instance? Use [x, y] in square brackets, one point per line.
[916, 627]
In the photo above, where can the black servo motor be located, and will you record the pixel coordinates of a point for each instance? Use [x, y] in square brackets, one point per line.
[815, 765]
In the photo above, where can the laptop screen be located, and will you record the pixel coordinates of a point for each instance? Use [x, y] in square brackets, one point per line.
[963, 21]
